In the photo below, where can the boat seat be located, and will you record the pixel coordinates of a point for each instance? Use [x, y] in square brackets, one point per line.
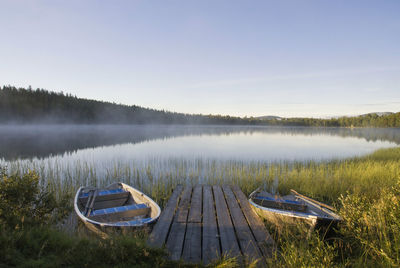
[133, 222]
[107, 198]
[107, 194]
[118, 213]
[280, 203]
[277, 199]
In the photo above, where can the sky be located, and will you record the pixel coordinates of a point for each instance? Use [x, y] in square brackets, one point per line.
[241, 58]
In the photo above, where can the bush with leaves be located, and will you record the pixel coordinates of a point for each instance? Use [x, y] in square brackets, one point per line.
[28, 237]
[24, 203]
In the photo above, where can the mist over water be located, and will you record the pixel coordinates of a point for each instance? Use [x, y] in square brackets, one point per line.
[138, 143]
[68, 156]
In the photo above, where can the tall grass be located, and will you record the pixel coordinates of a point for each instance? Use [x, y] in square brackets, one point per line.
[365, 190]
[325, 180]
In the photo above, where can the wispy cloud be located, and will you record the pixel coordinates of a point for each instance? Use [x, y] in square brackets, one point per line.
[294, 76]
[381, 103]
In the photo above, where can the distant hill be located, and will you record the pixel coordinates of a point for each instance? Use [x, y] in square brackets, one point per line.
[377, 113]
[269, 117]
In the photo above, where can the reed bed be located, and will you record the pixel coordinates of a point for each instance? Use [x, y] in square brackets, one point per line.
[325, 180]
[365, 190]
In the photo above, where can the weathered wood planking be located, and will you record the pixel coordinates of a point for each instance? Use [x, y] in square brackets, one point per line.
[192, 247]
[211, 249]
[178, 229]
[229, 243]
[206, 222]
[184, 205]
[195, 205]
[263, 238]
[160, 231]
[246, 239]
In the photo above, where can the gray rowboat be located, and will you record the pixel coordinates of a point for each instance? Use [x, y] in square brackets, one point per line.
[117, 206]
[292, 208]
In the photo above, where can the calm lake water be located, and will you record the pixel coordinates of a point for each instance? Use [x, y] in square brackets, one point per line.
[103, 144]
[69, 156]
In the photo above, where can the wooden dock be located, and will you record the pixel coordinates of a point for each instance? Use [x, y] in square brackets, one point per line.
[201, 223]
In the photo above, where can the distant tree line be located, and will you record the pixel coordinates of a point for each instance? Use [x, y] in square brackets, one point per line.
[367, 120]
[20, 105]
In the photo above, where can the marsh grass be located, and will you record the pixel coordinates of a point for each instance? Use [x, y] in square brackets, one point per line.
[365, 190]
[48, 247]
[325, 180]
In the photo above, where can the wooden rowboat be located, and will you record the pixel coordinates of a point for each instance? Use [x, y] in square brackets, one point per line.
[291, 208]
[118, 205]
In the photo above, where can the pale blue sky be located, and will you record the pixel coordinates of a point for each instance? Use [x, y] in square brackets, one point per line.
[244, 58]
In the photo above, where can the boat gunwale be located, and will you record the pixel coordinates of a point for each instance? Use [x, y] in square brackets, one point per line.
[105, 224]
[285, 212]
[307, 216]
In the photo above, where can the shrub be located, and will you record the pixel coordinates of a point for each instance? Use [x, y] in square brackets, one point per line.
[24, 203]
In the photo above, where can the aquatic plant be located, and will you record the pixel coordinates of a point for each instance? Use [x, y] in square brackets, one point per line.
[365, 190]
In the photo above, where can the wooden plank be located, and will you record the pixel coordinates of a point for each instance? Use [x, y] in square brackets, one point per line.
[246, 239]
[184, 204]
[109, 203]
[229, 243]
[90, 208]
[211, 249]
[160, 231]
[195, 228]
[121, 215]
[264, 239]
[88, 203]
[192, 247]
[178, 229]
[107, 197]
[195, 205]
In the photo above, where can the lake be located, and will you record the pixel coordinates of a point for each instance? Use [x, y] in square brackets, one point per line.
[119, 151]
[140, 143]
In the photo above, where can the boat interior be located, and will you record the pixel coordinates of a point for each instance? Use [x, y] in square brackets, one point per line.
[116, 206]
[289, 203]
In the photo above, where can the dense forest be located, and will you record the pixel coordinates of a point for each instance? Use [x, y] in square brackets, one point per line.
[20, 105]
[367, 120]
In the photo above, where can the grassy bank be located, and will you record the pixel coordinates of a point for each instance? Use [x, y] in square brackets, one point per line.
[365, 191]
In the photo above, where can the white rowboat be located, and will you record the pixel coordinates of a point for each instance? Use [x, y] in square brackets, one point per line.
[292, 207]
[118, 205]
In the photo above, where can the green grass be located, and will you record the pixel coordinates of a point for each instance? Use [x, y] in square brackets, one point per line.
[48, 247]
[365, 191]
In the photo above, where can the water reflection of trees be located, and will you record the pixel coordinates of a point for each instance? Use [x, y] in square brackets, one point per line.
[42, 141]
